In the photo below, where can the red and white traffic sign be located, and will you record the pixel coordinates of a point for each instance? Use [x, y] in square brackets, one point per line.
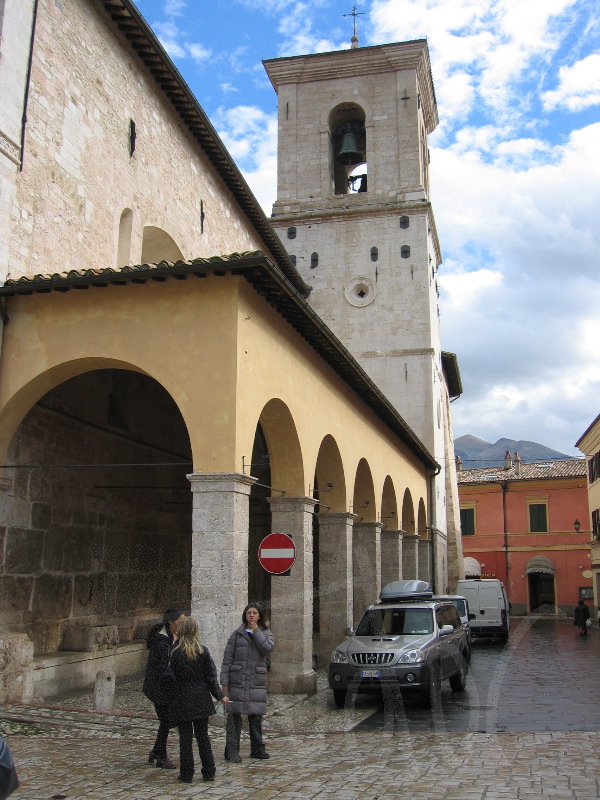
[277, 553]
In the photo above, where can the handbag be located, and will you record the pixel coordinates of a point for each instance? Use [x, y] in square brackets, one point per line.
[167, 680]
[588, 623]
[9, 780]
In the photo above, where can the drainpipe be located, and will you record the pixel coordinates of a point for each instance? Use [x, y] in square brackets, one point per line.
[504, 485]
[432, 524]
[28, 81]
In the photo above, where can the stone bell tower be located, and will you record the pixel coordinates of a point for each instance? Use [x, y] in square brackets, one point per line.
[354, 213]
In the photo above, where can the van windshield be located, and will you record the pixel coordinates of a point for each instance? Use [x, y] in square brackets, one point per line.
[396, 622]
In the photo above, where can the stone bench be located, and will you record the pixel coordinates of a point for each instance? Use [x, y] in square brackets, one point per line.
[90, 639]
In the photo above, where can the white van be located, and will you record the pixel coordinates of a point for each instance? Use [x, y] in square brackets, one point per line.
[488, 604]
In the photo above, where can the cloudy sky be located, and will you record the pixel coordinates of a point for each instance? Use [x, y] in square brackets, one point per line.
[515, 175]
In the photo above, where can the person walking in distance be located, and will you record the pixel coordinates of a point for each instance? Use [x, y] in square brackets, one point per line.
[244, 680]
[581, 614]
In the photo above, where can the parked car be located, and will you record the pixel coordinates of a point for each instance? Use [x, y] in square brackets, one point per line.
[489, 604]
[407, 642]
[462, 606]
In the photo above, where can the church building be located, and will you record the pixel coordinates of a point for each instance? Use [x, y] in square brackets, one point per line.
[178, 379]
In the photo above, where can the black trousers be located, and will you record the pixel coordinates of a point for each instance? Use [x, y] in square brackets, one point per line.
[160, 745]
[187, 731]
[233, 732]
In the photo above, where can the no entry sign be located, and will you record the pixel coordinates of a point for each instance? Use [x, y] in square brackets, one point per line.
[277, 553]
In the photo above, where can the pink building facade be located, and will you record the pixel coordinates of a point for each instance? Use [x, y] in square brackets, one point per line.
[528, 525]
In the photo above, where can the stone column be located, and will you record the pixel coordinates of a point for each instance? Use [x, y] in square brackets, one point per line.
[410, 557]
[391, 556]
[335, 581]
[219, 580]
[424, 556]
[292, 600]
[366, 557]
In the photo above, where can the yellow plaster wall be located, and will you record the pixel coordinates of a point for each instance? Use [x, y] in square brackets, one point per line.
[222, 353]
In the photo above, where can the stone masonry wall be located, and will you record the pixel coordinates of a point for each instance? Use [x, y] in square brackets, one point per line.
[78, 177]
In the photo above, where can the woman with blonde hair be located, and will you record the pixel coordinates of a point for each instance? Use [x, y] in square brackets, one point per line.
[196, 677]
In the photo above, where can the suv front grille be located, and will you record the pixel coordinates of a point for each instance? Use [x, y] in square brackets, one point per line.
[372, 658]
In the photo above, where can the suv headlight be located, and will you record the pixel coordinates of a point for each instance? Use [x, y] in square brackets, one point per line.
[339, 657]
[411, 657]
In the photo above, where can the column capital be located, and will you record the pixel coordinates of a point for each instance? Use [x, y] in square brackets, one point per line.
[221, 482]
[292, 504]
[373, 524]
[336, 517]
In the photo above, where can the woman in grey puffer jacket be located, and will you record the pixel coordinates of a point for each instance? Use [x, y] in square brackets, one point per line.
[244, 681]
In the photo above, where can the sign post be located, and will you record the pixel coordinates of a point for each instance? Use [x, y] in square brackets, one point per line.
[277, 553]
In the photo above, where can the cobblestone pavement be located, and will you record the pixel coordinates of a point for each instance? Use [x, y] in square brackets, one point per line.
[69, 751]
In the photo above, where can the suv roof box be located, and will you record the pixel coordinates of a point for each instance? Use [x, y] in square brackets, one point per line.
[406, 590]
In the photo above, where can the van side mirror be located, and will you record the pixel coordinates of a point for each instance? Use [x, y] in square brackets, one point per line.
[348, 631]
[445, 630]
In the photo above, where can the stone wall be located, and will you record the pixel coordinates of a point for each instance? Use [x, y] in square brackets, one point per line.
[79, 549]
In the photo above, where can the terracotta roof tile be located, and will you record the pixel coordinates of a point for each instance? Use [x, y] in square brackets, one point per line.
[572, 468]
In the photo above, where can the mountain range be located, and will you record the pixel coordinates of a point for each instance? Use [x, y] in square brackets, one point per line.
[476, 452]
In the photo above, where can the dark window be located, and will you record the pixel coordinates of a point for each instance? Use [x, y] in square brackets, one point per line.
[467, 521]
[291, 233]
[596, 523]
[586, 593]
[405, 251]
[374, 254]
[131, 137]
[538, 518]
[594, 467]
[314, 260]
[404, 222]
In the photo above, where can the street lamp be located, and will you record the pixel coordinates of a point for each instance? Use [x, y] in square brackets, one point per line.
[577, 525]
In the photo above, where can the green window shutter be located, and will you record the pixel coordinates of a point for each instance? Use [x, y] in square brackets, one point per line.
[538, 520]
[467, 521]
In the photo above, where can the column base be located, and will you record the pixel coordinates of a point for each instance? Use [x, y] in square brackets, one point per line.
[293, 684]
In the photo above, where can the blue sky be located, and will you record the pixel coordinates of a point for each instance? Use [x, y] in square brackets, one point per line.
[515, 175]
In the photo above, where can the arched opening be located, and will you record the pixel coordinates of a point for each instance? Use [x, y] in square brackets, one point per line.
[540, 573]
[348, 155]
[366, 547]
[98, 533]
[158, 246]
[124, 244]
[259, 580]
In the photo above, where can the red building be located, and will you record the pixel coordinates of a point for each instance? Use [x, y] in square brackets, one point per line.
[528, 525]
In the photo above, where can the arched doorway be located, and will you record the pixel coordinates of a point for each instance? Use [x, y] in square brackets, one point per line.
[540, 584]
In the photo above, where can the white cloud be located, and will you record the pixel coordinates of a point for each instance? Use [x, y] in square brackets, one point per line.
[579, 86]
[177, 46]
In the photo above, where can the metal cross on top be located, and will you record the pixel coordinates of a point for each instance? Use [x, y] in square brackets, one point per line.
[354, 13]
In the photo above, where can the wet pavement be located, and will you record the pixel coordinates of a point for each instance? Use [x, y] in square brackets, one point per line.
[531, 700]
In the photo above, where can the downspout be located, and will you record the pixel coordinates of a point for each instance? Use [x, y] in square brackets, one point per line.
[432, 526]
[28, 81]
[504, 485]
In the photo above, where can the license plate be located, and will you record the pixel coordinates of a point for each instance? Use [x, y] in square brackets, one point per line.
[370, 673]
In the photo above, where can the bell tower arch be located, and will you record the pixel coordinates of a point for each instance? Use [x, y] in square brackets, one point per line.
[354, 212]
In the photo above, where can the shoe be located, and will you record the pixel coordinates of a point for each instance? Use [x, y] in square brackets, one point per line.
[236, 759]
[164, 762]
[208, 778]
[152, 757]
[264, 754]
[181, 779]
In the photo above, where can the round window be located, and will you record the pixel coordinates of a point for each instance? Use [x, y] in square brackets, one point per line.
[360, 292]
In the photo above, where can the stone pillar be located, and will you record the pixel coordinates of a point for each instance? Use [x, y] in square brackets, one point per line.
[410, 557]
[424, 556]
[391, 556]
[366, 558]
[292, 600]
[219, 580]
[335, 581]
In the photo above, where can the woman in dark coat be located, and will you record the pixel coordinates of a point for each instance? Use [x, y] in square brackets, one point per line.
[196, 677]
[581, 614]
[244, 680]
[159, 642]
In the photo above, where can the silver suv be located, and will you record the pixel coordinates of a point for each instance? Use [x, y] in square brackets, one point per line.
[407, 642]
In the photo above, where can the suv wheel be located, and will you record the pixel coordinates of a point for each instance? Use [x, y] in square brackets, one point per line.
[432, 696]
[458, 681]
[339, 698]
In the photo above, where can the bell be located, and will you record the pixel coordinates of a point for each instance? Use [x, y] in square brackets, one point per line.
[349, 154]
